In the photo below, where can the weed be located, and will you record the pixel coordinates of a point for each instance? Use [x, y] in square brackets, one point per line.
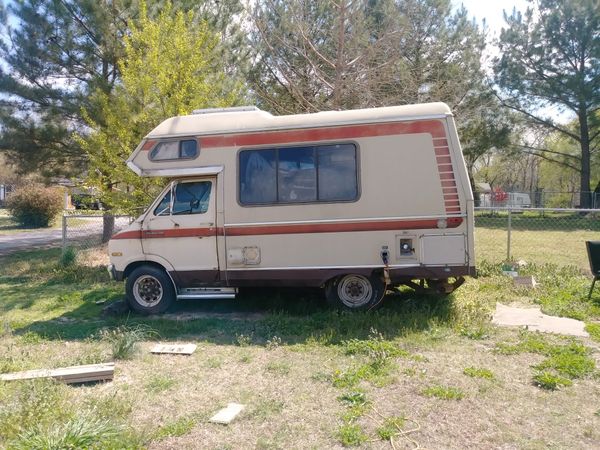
[178, 427]
[376, 347]
[571, 361]
[68, 257]
[353, 398]
[79, 432]
[477, 372]
[159, 383]
[548, 380]
[280, 368]
[478, 332]
[375, 373]
[124, 340]
[594, 330]
[111, 406]
[562, 364]
[245, 358]
[273, 343]
[443, 392]
[31, 403]
[391, 426]
[243, 340]
[266, 408]
[351, 435]
[214, 362]
[31, 337]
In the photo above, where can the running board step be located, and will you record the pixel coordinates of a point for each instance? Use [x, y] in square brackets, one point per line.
[206, 293]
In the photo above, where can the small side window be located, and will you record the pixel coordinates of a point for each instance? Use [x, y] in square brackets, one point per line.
[187, 149]
[163, 208]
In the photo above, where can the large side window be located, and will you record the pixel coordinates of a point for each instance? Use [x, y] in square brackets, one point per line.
[337, 172]
[305, 174]
[189, 198]
[297, 175]
[258, 177]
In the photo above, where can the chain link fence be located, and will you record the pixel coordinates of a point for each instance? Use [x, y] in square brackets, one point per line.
[84, 231]
[535, 235]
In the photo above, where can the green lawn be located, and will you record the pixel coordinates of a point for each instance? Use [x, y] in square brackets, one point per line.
[310, 377]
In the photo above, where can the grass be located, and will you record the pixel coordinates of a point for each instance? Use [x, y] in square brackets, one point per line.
[479, 372]
[443, 392]
[309, 376]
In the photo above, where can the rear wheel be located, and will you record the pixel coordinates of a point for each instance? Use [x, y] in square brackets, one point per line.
[355, 292]
[149, 290]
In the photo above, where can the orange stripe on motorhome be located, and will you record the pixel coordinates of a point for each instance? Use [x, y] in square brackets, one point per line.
[433, 127]
[303, 228]
[448, 183]
[445, 168]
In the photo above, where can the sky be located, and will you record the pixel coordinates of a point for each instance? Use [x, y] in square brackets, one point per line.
[491, 11]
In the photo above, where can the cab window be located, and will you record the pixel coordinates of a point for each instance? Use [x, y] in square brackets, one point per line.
[189, 198]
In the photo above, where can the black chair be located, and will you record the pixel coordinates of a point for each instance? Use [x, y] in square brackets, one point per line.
[593, 250]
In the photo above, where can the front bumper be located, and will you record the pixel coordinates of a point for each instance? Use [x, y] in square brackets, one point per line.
[115, 275]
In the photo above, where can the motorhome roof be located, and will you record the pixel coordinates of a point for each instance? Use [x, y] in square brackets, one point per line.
[236, 120]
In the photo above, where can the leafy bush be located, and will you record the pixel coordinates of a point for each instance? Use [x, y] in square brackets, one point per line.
[35, 206]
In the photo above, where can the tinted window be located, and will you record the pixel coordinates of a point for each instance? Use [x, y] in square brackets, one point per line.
[258, 176]
[298, 174]
[337, 172]
[187, 149]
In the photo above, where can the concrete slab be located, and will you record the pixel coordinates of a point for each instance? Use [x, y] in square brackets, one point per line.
[533, 319]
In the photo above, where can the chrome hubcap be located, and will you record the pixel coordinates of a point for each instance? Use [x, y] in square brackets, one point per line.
[147, 291]
[355, 291]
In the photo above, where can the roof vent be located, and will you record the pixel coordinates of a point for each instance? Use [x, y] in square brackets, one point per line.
[224, 110]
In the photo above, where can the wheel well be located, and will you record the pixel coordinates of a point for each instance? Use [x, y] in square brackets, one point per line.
[134, 265]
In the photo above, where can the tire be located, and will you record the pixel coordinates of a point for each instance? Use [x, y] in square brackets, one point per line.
[355, 292]
[149, 290]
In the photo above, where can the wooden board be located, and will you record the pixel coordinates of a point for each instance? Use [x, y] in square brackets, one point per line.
[527, 281]
[174, 349]
[72, 374]
[226, 415]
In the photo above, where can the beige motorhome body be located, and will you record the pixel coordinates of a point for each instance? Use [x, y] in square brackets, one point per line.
[349, 200]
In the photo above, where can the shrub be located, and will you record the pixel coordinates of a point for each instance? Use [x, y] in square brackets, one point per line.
[35, 206]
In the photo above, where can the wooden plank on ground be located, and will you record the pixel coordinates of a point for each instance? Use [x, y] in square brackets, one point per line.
[527, 281]
[174, 349]
[226, 415]
[72, 374]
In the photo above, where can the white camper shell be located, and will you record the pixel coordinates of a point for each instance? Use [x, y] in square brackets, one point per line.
[355, 201]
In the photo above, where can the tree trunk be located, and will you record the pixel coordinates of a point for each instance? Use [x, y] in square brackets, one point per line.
[584, 186]
[108, 226]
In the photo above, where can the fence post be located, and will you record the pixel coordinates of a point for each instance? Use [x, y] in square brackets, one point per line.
[64, 233]
[508, 234]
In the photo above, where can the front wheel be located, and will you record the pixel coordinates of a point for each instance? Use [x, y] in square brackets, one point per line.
[149, 290]
[355, 292]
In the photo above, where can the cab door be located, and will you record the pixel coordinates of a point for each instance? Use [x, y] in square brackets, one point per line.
[182, 229]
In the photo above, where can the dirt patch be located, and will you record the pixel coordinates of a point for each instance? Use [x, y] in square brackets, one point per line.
[535, 320]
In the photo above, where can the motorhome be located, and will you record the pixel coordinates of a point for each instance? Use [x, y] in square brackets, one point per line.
[357, 202]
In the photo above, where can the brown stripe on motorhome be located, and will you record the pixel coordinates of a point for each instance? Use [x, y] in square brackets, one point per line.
[434, 127]
[443, 160]
[300, 228]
